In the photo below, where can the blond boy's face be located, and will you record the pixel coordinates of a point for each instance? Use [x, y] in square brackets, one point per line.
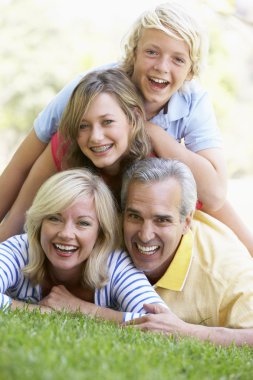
[161, 66]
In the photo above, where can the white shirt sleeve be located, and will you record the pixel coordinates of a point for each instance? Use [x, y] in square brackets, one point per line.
[48, 120]
[13, 257]
[127, 289]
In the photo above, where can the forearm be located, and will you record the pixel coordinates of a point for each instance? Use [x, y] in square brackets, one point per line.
[42, 169]
[208, 166]
[218, 335]
[228, 215]
[13, 224]
[74, 305]
[14, 175]
[11, 182]
[28, 306]
[61, 299]
[100, 312]
[166, 322]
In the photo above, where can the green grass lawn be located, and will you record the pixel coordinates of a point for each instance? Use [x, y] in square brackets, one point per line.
[63, 346]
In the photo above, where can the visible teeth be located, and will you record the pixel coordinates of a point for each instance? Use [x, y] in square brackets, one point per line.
[99, 149]
[147, 250]
[67, 248]
[159, 80]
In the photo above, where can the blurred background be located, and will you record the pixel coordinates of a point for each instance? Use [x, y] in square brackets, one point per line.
[45, 43]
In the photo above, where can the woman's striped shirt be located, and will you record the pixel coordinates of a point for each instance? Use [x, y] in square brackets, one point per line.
[126, 290]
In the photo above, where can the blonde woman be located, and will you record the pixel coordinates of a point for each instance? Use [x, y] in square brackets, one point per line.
[70, 257]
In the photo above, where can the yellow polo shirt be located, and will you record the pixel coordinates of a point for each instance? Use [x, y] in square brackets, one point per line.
[210, 280]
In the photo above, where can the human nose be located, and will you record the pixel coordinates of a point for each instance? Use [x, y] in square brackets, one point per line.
[162, 65]
[146, 232]
[66, 231]
[96, 133]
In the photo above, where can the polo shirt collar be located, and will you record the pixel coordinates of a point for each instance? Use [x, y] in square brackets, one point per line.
[177, 107]
[175, 276]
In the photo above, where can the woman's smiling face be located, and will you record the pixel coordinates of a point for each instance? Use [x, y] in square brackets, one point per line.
[68, 237]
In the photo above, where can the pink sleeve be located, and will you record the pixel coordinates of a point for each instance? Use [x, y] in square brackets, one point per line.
[199, 205]
[58, 151]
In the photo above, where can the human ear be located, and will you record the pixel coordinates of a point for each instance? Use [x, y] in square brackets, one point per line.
[137, 112]
[189, 75]
[187, 222]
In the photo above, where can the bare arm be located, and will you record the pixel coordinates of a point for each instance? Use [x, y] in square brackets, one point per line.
[15, 173]
[43, 168]
[61, 299]
[208, 166]
[228, 215]
[166, 322]
[29, 307]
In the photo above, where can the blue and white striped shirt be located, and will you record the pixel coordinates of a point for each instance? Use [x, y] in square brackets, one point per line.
[127, 289]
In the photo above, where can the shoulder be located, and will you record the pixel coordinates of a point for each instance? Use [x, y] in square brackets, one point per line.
[217, 247]
[121, 266]
[15, 250]
[119, 259]
[191, 98]
[192, 93]
[47, 122]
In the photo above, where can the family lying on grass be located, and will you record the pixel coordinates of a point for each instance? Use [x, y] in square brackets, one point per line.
[71, 257]
[67, 261]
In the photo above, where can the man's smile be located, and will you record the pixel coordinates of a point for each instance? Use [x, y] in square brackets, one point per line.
[147, 250]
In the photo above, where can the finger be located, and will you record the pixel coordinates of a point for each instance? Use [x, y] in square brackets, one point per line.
[154, 308]
[135, 321]
[43, 303]
[61, 287]
[145, 327]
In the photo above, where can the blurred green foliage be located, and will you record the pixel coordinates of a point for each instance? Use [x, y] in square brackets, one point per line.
[41, 49]
[39, 53]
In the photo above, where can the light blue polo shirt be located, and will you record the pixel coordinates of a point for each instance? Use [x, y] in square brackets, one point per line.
[188, 116]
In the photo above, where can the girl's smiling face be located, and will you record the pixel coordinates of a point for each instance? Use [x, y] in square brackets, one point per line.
[104, 133]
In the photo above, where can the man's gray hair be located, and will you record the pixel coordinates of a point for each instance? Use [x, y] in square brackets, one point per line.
[158, 169]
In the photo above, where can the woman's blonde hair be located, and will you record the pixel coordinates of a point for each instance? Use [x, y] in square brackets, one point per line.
[54, 196]
[116, 83]
[177, 22]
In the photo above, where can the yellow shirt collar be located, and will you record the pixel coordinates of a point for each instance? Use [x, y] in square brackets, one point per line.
[175, 276]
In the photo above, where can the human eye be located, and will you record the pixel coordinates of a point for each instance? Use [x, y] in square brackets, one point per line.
[163, 220]
[53, 218]
[179, 61]
[131, 216]
[84, 126]
[84, 223]
[151, 52]
[107, 122]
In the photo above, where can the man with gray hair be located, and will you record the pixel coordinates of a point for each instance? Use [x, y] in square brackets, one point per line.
[196, 263]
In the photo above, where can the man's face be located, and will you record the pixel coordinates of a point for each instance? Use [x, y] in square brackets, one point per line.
[152, 226]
